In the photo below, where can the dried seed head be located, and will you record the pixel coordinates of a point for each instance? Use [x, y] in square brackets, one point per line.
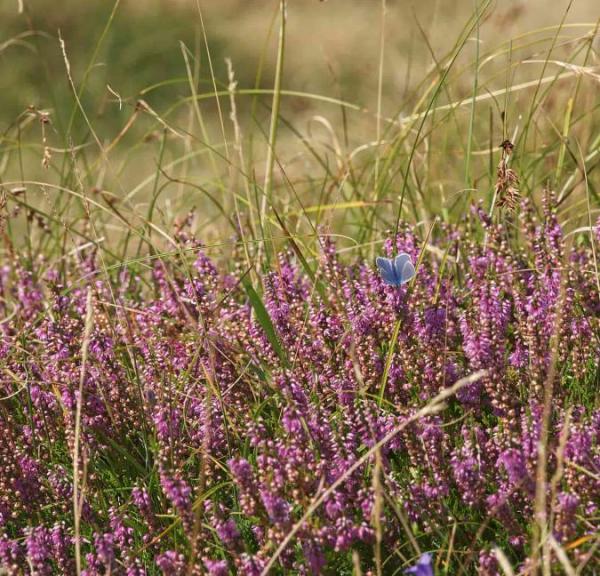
[507, 181]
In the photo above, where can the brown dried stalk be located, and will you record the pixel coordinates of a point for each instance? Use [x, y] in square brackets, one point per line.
[507, 181]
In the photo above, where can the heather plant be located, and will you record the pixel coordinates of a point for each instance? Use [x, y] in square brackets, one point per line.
[210, 422]
[290, 349]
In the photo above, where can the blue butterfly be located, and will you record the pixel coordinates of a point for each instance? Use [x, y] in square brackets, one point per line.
[397, 271]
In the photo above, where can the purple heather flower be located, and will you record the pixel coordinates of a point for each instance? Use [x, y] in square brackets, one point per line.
[177, 491]
[277, 508]
[104, 545]
[62, 545]
[39, 550]
[488, 564]
[228, 532]
[10, 552]
[141, 498]
[135, 569]
[242, 470]
[566, 524]
[315, 558]
[216, 567]
[513, 462]
[171, 563]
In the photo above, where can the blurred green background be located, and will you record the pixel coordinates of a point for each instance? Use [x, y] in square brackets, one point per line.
[332, 46]
[122, 52]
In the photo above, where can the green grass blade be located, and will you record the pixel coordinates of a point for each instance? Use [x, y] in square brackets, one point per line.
[262, 315]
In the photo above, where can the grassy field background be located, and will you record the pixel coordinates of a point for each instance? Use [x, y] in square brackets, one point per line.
[337, 75]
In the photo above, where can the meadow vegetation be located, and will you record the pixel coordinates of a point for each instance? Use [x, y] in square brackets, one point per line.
[202, 370]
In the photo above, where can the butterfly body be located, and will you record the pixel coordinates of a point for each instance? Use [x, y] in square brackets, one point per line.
[396, 271]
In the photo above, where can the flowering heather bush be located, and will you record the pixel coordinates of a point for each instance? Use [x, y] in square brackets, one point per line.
[211, 418]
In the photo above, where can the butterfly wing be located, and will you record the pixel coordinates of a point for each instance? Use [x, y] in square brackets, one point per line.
[399, 263]
[408, 272]
[387, 271]
[403, 268]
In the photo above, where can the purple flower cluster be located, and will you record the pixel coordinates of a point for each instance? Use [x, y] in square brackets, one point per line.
[205, 436]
